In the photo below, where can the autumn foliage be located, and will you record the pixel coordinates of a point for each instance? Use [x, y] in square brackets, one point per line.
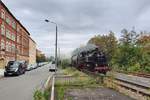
[131, 52]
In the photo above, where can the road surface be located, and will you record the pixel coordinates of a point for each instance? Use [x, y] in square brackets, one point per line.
[22, 87]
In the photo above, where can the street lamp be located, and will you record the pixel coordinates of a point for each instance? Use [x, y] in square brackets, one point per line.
[56, 61]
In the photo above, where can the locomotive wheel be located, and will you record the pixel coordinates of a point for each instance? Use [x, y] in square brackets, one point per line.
[90, 67]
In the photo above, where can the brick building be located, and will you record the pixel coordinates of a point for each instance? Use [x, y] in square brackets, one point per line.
[32, 51]
[14, 38]
[22, 41]
[38, 52]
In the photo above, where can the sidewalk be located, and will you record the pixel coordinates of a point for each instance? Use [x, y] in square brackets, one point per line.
[1, 73]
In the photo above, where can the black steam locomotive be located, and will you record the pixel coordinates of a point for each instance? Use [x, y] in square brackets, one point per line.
[90, 58]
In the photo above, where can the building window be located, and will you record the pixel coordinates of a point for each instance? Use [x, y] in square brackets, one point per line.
[8, 35]
[13, 48]
[8, 20]
[18, 49]
[2, 44]
[2, 29]
[14, 24]
[18, 28]
[18, 39]
[13, 37]
[10, 47]
[2, 14]
[7, 46]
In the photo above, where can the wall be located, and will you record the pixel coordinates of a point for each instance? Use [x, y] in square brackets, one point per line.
[32, 51]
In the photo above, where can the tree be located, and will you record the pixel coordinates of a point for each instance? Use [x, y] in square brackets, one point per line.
[129, 52]
[144, 43]
[40, 58]
[107, 43]
[129, 37]
[65, 63]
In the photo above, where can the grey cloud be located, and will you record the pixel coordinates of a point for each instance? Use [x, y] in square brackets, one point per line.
[78, 20]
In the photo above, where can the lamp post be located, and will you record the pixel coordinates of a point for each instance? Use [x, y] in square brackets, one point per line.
[56, 61]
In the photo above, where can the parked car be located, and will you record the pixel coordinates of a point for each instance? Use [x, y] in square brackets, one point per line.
[25, 64]
[29, 67]
[40, 64]
[34, 66]
[15, 68]
[52, 67]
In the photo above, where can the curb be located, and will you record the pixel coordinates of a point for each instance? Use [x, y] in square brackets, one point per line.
[52, 89]
[48, 81]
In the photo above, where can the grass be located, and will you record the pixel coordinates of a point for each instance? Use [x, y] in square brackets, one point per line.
[39, 95]
[60, 91]
[79, 80]
[70, 71]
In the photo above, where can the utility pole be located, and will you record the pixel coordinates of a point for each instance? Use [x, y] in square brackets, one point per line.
[56, 58]
[56, 39]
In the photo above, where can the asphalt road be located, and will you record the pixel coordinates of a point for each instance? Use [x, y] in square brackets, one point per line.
[22, 87]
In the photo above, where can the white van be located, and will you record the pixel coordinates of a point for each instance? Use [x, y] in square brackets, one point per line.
[52, 67]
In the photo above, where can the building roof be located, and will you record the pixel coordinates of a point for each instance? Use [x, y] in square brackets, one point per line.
[32, 39]
[14, 17]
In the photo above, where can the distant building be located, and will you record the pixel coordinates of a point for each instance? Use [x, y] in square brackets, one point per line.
[40, 57]
[38, 53]
[32, 51]
[14, 38]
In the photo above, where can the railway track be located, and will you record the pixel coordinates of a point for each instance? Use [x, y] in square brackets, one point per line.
[141, 75]
[138, 84]
[145, 75]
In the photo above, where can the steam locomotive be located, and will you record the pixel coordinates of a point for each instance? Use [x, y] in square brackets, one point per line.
[90, 58]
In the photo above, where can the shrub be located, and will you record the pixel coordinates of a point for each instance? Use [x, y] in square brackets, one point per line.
[65, 63]
[135, 68]
[39, 95]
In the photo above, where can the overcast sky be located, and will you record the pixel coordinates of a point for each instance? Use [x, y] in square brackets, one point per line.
[78, 20]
